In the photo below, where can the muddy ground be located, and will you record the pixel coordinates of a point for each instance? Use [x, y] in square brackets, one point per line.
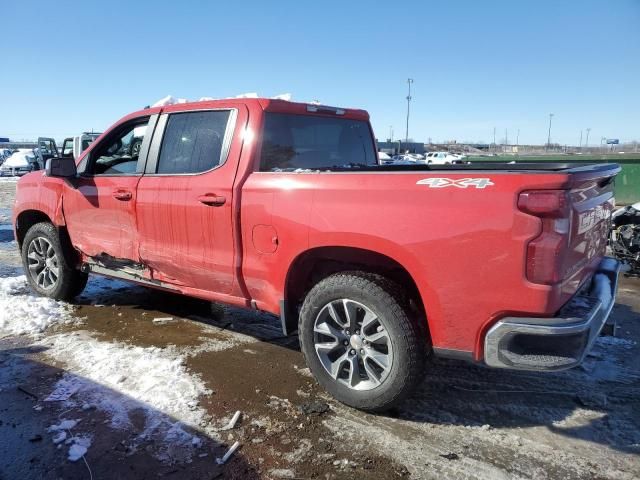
[464, 422]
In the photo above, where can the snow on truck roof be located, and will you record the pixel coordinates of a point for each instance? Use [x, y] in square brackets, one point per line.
[279, 103]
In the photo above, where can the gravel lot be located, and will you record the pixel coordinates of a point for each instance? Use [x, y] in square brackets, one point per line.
[150, 398]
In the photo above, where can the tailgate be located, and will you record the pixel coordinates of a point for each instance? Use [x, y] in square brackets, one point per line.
[591, 205]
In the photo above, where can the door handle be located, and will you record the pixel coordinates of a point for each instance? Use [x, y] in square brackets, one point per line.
[212, 200]
[122, 195]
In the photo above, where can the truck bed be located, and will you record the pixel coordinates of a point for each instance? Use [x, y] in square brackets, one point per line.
[555, 167]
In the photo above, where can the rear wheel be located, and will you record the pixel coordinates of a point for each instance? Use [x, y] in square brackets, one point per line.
[47, 267]
[360, 342]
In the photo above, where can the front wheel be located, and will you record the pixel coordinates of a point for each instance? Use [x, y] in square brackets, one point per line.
[46, 266]
[360, 341]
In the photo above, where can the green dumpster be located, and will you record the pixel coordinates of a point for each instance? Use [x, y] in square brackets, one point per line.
[627, 187]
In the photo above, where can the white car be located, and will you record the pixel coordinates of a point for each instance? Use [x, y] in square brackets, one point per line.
[22, 161]
[442, 158]
[383, 158]
[403, 159]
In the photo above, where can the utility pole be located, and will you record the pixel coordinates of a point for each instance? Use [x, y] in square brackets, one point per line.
[506, 137]
[494, 137]
[409, 82]
[391, 133]
[518, 138]
[586, 144]
[580, 138]
[549, 134]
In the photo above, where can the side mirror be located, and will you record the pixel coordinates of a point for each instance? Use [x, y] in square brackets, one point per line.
[61, 167]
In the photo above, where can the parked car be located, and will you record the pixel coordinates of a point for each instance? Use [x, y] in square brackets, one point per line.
[22, 161]
[384, 157]
[47, 149]
[282, 207]
[403, 159]
[442, 158]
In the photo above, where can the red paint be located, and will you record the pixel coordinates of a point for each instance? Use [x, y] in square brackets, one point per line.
[465, 248]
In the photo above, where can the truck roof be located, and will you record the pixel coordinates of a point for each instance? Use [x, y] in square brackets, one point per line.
[266, 104]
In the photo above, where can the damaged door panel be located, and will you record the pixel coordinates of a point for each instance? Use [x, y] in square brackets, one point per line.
[184, 200]
[100, 204]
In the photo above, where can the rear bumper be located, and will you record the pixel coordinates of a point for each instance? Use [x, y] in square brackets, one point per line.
[560, 342]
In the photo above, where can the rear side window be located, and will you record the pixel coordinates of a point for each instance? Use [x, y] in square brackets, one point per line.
[292, 142]
[192, 142]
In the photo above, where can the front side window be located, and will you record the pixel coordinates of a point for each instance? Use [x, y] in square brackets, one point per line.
[193, 142]
[118, 154]
[293, 142]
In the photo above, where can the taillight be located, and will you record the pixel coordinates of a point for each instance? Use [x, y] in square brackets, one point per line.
[546, 253]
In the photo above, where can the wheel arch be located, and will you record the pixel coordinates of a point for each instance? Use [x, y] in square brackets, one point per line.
[315, 264]
[28, 218]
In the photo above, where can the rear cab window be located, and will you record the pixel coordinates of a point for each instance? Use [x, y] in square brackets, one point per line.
[294, 142]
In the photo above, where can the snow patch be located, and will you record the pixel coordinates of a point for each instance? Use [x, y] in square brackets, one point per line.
[168, 100]
[23, 313]
[63, 425]
[59, 437]
[78, 448]
[123, 380]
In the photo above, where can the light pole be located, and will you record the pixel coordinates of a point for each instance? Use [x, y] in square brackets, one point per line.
[518, 138]
[409, 82]
[586, 143]
[549, 134]
[391, 133]
[580, 138]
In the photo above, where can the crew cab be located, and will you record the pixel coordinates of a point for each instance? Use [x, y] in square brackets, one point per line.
[283, 207]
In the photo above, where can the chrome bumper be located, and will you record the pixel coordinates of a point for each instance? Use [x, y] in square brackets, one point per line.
[563, 341]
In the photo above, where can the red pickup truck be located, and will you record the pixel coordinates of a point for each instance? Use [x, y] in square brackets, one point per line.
[283, 207]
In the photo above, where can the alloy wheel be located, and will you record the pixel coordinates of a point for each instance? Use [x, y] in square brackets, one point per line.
[43, 263]
[353, 344]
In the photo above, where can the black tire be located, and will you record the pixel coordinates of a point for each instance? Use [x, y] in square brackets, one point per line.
[70, 281]
[384, 298]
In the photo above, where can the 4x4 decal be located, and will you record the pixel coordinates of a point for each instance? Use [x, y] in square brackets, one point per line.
[460, 183]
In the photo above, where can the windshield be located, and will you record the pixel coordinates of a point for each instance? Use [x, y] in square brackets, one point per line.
[305, 142]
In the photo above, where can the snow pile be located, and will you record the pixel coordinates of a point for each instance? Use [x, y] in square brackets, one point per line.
[119, 379]
[22, 312]
[78, 448]
[247, 95]
[171, 100]
[168, 100]
[78, 444]
[63, 425]
[9, 179]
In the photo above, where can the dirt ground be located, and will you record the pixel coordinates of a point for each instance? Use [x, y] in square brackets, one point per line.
[465, 421]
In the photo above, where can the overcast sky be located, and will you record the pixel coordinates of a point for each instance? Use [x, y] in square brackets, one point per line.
[74, 66]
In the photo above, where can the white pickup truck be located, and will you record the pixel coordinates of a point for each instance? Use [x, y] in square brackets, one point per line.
[74, 146]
